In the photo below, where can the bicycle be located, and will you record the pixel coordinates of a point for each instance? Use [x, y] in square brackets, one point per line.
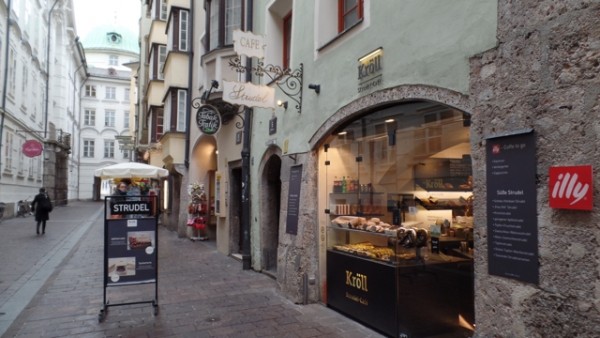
[24, 208]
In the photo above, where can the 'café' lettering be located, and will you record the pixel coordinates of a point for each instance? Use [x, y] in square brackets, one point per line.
[251, 43]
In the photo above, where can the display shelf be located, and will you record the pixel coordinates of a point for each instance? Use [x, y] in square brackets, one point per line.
[199, 214]
[377, 246]
[364, 204]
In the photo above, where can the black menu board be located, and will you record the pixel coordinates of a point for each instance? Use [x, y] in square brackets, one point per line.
[444, 174]
[293, 200]
[511, 207]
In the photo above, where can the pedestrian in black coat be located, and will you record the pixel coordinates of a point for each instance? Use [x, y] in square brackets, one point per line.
[42, 206]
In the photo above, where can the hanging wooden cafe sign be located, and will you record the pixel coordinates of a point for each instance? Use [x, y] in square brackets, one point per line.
[246, 93]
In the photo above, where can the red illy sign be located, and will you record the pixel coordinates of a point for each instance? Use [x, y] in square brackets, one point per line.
[571, 187]
[32, 148]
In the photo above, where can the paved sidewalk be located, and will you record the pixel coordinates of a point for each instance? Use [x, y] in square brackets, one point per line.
[202, 293]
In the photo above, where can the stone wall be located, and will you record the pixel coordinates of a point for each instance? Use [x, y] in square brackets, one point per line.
[545, 75]
[297, 254]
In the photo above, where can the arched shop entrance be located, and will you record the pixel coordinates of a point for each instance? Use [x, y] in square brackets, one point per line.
[270, 197]
[398, 217]
[204, 162]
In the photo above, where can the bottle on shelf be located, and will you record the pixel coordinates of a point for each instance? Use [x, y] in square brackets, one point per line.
[344, 184]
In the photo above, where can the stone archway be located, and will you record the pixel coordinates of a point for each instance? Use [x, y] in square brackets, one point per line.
[360, 109]
[390, 96]
[270, 197]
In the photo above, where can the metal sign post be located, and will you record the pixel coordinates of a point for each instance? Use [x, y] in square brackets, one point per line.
[130, 246]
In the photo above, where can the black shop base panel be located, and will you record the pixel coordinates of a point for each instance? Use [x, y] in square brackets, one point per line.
[415, 299]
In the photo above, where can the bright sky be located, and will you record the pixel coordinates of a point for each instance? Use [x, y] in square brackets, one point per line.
[92, 13]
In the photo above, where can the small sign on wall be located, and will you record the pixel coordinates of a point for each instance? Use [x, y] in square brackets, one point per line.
[570, 187]
[273, 125]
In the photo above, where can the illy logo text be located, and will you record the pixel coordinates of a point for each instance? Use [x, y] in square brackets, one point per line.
[567, 186]
[571, 187]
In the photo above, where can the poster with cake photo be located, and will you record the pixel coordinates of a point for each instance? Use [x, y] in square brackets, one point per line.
[140, 240]
[121, 266]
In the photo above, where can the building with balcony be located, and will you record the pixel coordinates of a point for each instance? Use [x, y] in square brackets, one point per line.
[164, 82]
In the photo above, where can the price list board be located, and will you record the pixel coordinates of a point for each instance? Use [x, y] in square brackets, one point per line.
[293, 209]
[444, 174]
[511, 207]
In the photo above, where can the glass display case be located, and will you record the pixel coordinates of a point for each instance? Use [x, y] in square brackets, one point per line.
[375, 240]
[398, 187]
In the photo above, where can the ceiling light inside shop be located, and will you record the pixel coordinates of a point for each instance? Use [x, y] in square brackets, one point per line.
[456, 151]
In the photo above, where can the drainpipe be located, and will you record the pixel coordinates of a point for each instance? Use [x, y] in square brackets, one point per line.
[5, 78]
[246, 256]
[190, 84]
[83, 64]
[48, 68]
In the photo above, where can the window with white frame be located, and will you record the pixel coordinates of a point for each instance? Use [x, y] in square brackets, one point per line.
[109, 118]
[126, 119]
[168, 113]
[160, 10]
[183, 30]
[88, 148]
[157, 60]
[21, 167]
[42, 99]
[30, 169]
[126, 94]
[89, 117]
[90, 90]
[34, 84]
[39, 169]
[111, 93]
[25, 80]
[8, 150]
[163, 10]
[157, 124]
[109, 149]
[12, 73]
[162, 57]
[113, 60]
[178, 30]
[181, 110]
[223, 16]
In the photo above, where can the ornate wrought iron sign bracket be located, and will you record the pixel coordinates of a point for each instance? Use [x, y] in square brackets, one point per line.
[289, 81]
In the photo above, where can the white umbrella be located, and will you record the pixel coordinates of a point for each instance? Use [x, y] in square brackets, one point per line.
[130, 170]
